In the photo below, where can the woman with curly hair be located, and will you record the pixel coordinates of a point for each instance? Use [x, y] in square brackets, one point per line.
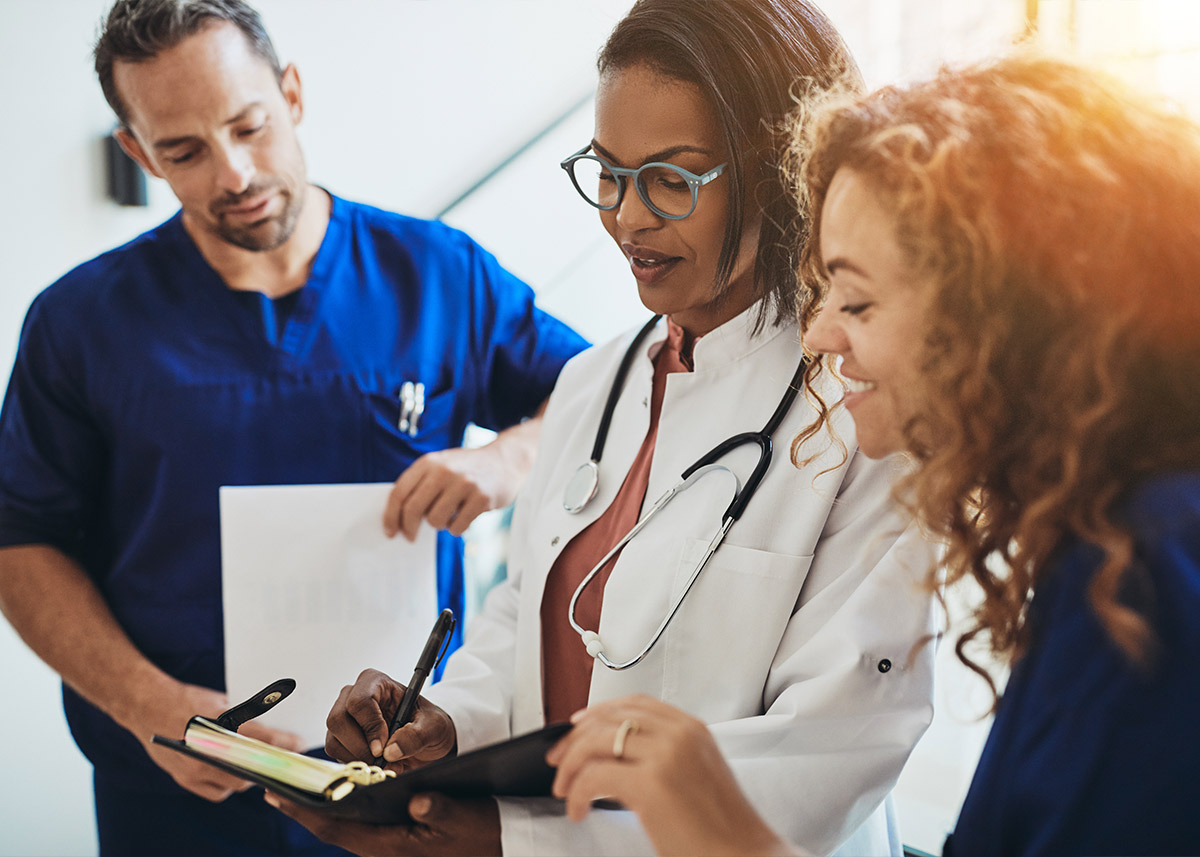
[1007, 257]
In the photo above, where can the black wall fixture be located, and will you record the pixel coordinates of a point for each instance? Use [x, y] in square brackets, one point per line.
[126, 181]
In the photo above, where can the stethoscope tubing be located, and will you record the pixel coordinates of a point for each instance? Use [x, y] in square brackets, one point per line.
[694, 476]
[614, 392]
[706, 463]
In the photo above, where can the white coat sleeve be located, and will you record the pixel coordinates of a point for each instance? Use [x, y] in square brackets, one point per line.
[479, 681]
[850, 689]
[539, 826]
[476, 688]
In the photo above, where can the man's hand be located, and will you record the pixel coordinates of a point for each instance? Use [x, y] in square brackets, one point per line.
[450, 489]
[358, 726]
[453, 487]
[442, 828]
[61, 615]
[170, 721]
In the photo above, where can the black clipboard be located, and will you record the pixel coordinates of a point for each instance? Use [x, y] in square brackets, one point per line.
[513, 768]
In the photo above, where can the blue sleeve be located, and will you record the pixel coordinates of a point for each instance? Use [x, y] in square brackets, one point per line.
[518, 349]
[51, 453]
[1089, 753]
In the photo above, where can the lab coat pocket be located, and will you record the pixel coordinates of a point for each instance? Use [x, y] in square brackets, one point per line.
[729, 627]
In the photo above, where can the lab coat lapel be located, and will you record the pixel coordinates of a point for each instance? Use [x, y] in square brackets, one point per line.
[631, 419]
[725, 396]
[554, 527]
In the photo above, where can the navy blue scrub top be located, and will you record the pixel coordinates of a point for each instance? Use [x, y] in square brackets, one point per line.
[143, 384]
[1089, 754]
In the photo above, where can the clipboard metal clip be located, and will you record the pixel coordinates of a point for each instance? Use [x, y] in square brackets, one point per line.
[359, 774]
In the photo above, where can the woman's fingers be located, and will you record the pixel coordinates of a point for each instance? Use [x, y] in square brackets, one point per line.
[430, 736]
[620, 731]
[357, 725]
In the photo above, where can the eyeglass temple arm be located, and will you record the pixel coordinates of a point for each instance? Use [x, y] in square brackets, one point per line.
[711, 174]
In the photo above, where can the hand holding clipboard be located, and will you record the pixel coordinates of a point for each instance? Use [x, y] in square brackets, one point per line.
[356, 791]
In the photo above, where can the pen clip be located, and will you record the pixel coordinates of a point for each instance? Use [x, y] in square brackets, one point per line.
[407, 401]
[445, 642]
[418, 408]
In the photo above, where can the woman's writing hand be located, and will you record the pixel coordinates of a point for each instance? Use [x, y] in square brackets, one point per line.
[358, 726]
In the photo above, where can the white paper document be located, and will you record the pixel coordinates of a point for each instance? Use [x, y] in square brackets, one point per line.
[314, 591]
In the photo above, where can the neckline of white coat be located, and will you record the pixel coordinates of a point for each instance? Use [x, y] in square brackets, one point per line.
[734, 340]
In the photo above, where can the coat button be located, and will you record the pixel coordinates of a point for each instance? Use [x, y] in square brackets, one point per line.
[554, 541]
[885, 665]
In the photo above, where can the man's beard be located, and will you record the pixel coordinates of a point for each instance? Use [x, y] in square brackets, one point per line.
[266, 234]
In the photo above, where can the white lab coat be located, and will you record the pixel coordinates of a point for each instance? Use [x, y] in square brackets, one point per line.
[779, 643]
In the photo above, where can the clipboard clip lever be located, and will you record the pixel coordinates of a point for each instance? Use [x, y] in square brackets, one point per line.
[260, 703]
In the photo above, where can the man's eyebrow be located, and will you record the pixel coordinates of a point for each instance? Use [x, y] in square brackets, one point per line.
[171, 142]
[656, 156]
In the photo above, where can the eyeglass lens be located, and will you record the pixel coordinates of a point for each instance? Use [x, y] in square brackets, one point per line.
[663, 186]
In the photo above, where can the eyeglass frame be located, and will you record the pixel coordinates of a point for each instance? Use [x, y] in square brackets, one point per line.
[694, 182]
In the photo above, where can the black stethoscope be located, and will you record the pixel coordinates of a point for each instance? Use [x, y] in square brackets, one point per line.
[582, 486]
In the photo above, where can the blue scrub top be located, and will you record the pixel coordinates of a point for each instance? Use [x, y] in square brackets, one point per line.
[1089, 754]
[143, 383]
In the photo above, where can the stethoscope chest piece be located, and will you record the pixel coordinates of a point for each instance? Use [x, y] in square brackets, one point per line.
[581, 487]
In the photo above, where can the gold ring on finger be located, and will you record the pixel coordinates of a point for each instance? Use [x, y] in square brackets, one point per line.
[627, 728]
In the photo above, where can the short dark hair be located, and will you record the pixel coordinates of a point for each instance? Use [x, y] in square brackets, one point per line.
[754, 60]
[137, 30]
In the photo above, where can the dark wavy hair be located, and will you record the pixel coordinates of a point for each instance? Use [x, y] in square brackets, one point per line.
[137, 30]
[753, 60]
[1055, 217]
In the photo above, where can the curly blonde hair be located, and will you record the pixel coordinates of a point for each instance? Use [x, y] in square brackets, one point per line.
[1056, 217]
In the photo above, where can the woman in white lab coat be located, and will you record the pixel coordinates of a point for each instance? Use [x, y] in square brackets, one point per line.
[1009, 252]
[805, 640]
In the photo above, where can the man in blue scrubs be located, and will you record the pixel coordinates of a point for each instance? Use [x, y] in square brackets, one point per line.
[265, 334]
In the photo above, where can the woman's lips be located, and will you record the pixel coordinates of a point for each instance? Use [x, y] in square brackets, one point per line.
[649, 266]
[856, 388]
[856, 391]
[854, 385]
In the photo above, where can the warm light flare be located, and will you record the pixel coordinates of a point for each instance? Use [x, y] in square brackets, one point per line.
[1152, 44]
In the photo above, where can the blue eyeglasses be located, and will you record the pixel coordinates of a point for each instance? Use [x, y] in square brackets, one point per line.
[669, 191]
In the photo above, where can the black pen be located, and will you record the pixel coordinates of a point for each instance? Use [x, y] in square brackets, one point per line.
[431, 656]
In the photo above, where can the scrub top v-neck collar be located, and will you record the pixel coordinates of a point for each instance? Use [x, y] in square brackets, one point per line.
[254, 312]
